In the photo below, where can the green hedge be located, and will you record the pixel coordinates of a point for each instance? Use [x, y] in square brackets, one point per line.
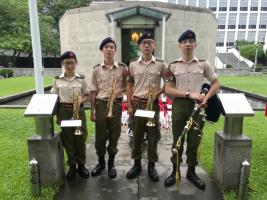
[6, 73]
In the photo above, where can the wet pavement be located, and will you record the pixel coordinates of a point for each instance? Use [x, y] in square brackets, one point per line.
[143, 188]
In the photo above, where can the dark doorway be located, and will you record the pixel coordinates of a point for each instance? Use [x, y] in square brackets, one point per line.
[130, 49]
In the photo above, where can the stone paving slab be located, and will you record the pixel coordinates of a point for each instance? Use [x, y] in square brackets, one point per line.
[142, 188]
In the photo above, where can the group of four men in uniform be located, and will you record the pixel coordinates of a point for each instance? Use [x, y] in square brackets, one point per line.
[183, 80]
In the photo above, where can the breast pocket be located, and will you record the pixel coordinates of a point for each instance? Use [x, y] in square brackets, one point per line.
[65, 93]
[180, 77]
[198, 76]
[155, 76]
[138, 76]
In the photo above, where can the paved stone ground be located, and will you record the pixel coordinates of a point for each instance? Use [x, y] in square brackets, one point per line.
[142, 188]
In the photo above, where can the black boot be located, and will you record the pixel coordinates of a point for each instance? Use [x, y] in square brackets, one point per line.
[99, 167]
[191, 176]
[152, 171]
[135, 170]
[170, 180]
[83, 172]
[71, 173]
[111, 167]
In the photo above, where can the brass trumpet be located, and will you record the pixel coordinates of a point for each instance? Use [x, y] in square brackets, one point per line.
[149, 106]
[76, 111]
[111, 100]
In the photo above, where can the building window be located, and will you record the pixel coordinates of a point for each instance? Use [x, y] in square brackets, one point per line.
[182, 2]
[244, 5]
[254, 5]
[232, 20]
[172, 1]
[233, 8]
[221, 26]
[221, 20]
[202, 3]
[230, 38]
[261, 36]
[252, 20]
[212, 9]
[242, 21]
[192, 2]
[264, 5]
[263, 20]
[222, 8]
[251, 36]
[220, 38]
[241, 35]
[233, 5]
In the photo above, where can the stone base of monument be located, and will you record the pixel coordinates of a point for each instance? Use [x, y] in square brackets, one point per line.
[229, 153]
[49, 154]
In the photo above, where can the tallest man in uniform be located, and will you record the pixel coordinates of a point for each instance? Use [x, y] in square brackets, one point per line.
[144, 72]
[184, 79]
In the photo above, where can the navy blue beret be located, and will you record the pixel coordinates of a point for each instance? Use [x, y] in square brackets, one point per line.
[67, 55]
[188, 34]
[105, 41]
[147, 35]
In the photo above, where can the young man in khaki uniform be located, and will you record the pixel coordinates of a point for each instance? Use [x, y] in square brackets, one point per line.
[104, 89]
[144, 72]
[67, 85]
[184, 79]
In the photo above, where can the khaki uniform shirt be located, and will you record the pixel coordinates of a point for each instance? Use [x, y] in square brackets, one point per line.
[103, 77]
[67, 87]
[190, 76]
[141, 75]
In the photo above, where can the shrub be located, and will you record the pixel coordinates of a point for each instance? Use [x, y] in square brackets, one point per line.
[7, 73]
[229, 66]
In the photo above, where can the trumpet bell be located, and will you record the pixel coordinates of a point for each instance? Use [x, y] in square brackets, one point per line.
[78, 132]
[174, 151]
[150, 124]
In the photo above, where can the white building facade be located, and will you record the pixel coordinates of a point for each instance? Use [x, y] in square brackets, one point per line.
[237, 19]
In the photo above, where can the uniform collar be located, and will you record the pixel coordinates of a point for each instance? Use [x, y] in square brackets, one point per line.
[153, 59]
[63, 75]
[194, 59]
[115, 64]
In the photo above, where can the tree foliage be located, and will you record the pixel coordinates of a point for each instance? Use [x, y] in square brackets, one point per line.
[249, 51]
[15, 25]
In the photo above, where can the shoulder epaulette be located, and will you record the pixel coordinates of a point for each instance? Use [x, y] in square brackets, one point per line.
[174, 62]
[133, 59]
[160, 60]
[81, 76]
[96, 66]
[121, 63]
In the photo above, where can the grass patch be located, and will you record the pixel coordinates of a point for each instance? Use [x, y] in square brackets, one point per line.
[14, 179]
[254, 128]
[9, 86]
[255, 84]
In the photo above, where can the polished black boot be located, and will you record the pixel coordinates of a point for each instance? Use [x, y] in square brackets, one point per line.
[191, 176]
[135, 170]
[71, 173]
[111, 167]
[152, 171]
[99, 167]
[82, 171]
[170, 180]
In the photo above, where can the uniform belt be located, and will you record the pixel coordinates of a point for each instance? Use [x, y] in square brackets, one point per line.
[143, 100]
[68, 105]
[119, 99]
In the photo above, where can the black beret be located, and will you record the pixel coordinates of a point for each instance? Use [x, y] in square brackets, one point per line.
[189, 34]
[147, 35]
[105, 41]
[67, 54]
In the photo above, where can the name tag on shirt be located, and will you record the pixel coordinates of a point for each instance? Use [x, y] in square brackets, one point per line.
[144, 113]
[71, 123]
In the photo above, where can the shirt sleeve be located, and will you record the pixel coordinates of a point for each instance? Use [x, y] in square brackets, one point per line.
[54, 89]
[85, 88]
[209, 72]
[168, 76]
[130, 77]
[94, 81]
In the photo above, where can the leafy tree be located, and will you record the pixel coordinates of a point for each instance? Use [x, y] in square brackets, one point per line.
[249, 51]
